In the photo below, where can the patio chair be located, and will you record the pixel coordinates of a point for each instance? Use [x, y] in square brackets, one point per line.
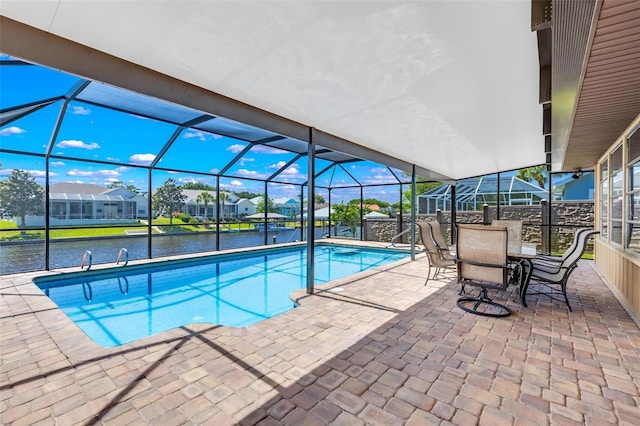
[446, 250]
[482, 262]
[434, 255]
[514, 230]
[555, 277]
[543, 260]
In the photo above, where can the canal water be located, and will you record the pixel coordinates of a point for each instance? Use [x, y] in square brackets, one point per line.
[28, 256]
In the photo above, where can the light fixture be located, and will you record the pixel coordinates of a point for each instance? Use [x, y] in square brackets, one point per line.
[577, 174]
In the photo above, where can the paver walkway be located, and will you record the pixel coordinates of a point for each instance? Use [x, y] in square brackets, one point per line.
[381, 349]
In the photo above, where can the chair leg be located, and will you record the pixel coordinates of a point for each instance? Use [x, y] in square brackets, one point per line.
[566, 299]
[498, 309]
[428, 273]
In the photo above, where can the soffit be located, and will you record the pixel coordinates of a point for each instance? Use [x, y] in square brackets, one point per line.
[447, 86]
[609, 96]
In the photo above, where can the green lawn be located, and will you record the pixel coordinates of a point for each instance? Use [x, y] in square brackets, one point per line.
[178, 225]
[10, 231]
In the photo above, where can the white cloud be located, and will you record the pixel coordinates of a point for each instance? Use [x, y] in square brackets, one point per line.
[13, 130]
[250, 173]
[233, 185]
[263, 149]
[114, 159]
[142, 159]
[278, 165]
[235, 148]
[379, 170]
[91, 173]
[79, 110]
[71, 143]
[57, 163]
[245, 160]
[292, 172]
[34, 173]
[379, 179]
[214, 171]
[122, 169]
[194, 134]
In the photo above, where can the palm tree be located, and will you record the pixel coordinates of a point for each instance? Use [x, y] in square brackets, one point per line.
[538, 173]
[205, 197]
[224, 197]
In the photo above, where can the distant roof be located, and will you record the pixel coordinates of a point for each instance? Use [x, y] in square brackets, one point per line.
[375, 215]
[76, 188]
[85, 197]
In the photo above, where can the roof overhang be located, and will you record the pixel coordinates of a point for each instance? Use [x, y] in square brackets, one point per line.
[444, 86]
[595, 80]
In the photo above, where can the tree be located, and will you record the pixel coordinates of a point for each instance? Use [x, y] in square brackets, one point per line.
[346, 214]
[168, 198]
[538, 173]
[205, 197]
[198, 186]
[270, 207]
[224, 197]
[319, 199]
[421, 188]
[20, 194]
[247, 194]
[120, 184]
[371, 201]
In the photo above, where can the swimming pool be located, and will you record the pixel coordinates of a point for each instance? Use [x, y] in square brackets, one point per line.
[124, 304]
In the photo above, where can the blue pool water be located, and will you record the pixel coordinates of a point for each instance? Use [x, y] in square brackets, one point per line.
[121, 305]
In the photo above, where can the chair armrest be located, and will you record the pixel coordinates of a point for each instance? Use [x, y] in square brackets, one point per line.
[545, 258]
[548, 269]
[545, 265]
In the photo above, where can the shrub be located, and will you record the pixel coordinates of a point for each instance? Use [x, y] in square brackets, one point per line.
[185, 218]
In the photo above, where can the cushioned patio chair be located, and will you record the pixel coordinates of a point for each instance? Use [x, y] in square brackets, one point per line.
[481, 257]
[434, 255]
[554, 277]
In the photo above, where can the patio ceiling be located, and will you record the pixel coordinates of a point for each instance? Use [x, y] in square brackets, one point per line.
[446, 86]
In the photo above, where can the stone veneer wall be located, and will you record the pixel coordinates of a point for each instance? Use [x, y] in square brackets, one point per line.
[565, 215]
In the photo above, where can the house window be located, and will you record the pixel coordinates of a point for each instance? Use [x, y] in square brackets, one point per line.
[604, 199]
[615, 195]
[633, 192]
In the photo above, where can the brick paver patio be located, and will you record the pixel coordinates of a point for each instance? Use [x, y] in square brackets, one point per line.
[381, 349]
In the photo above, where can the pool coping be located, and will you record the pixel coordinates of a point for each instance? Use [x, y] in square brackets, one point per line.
[78, 346]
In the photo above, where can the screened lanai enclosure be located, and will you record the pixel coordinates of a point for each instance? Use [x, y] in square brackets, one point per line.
[87, 167]
[473, 193]
[101, 169]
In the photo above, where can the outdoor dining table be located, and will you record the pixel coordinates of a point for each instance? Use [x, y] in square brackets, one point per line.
[526, 252]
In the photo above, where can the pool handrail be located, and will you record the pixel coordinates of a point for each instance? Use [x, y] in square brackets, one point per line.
[393, 241]
[126, 255]
[89, 255]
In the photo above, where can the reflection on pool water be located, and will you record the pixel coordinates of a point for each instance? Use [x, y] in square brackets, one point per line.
[121, 305]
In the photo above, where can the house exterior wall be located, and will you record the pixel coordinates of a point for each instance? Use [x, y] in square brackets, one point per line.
[581, 189]
[245, 208]
[618, 263]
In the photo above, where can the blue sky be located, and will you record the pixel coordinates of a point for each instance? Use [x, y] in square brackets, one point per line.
[92, 132]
